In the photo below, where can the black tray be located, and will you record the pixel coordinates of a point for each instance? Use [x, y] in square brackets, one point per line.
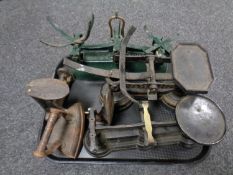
[87, 92]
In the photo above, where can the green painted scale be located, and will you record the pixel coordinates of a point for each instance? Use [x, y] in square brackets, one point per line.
[106, 55]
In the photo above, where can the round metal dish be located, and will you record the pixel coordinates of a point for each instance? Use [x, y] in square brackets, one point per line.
[201, 119]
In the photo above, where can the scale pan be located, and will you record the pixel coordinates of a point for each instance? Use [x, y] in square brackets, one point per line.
[201, 119]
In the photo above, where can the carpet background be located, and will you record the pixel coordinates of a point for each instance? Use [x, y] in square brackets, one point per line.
[23, 58]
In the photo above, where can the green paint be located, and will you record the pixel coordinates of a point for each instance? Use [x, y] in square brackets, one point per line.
[101, 55]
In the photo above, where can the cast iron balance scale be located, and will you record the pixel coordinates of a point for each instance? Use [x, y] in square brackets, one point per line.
[116, 102]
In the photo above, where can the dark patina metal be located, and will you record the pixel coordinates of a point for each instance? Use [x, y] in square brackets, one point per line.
[191, 68]
[201, 119]
[127, 74]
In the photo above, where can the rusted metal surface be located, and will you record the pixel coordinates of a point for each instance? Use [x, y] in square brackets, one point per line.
[64, 75]
[121, 137]
[50, 93]
[153, 89]
[47, 89]
[171, 99]
[73, 133]
[120, 101]
[41, 148]
[191, 68]
[107, 100]
[55, 139]
[122, 63]
[92, 135]
[67, 133]
[114, 73]
[135, 58]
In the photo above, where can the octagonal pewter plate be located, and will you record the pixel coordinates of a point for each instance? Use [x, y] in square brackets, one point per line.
[191, 68]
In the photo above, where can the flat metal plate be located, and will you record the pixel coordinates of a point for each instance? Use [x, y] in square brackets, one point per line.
[191, 68]
[47, 89]
[201, 119]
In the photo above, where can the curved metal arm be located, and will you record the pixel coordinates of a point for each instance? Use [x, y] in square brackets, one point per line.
[122, 61]
[77, 41]
[89, 27]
